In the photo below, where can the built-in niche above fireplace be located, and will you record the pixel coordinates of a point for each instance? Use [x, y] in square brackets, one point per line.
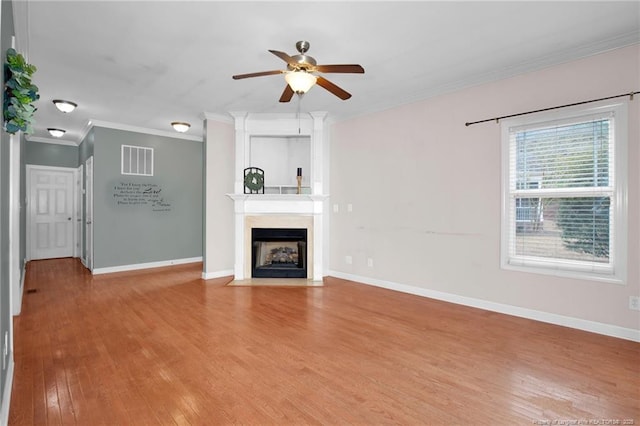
[279, 253]
[280, 157]
[279, 142]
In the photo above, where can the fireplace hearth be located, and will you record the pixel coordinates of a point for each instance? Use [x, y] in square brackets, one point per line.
[279, 253]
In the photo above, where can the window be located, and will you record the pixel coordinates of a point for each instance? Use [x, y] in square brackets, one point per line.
[136, 160]
[564, 203]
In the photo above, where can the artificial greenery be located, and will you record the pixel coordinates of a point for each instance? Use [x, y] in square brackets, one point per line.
[19, 94]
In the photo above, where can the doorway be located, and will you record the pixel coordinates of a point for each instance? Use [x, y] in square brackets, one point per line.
[51, 213]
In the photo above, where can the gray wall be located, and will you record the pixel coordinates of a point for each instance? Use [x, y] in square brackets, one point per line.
[6, 31]
[126, 233]
[85, 150]
[49, 154]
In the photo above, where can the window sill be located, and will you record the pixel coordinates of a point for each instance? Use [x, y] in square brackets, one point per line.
[563, 273]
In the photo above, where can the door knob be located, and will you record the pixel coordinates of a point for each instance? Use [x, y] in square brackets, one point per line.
[68, 218]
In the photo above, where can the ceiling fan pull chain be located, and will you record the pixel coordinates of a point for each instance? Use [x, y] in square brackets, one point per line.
[299, 102]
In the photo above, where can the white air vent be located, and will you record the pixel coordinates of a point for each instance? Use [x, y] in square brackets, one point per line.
[137, 160]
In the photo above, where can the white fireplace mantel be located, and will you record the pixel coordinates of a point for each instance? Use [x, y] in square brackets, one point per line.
[280, 210]
[305, 204]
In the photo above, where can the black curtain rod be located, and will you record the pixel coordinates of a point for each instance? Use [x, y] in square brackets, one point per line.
[496, 119]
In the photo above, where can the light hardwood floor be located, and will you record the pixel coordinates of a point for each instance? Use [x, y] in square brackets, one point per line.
[163, 347]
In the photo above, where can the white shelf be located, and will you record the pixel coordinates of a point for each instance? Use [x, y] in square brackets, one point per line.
[286, 189]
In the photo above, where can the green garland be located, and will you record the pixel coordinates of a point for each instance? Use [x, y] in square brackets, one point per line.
[19, 94]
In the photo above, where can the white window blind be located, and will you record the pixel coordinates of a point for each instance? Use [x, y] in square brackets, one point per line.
[136, 160]
[561, 206]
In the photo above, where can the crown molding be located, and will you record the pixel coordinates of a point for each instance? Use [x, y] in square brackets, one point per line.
[54, 141]
[126, 127]
[218, 117]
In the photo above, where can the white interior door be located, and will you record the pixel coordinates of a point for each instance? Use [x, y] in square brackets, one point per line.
[88, 213]
[51, 213]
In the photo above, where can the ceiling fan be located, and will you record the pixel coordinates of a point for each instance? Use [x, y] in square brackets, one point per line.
[300, 73]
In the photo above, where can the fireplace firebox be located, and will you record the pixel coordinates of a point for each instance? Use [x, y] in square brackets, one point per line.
[279, 253]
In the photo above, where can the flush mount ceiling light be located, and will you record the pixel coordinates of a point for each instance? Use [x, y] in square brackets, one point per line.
[64, 106]
[300, 81]
[56, 133]
[180, 126]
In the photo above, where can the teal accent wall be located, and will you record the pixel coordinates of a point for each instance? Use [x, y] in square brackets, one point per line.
[51, 154]
[143, 219]
[85, 149]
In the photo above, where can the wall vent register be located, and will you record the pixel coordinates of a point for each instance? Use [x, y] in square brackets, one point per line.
[136, 160]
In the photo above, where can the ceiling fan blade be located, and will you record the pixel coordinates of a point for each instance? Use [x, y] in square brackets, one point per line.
[287, 94]
[345, 68]
[257, 74]
[341, 93]
[288, 59]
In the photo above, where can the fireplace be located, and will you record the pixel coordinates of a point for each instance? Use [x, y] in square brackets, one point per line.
[281, 209]
[278, 252]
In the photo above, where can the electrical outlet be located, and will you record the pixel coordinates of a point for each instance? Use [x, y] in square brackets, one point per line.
[370, 262]
[349, 207]
[336, 208]
[634, 303]
[348, 260]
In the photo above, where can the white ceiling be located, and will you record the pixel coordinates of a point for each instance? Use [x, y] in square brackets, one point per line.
[147, 63]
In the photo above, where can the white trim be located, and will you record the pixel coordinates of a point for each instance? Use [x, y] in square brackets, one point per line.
[6, 393]
[15, 224]
[55, 141]
[88, 243]
[51, 168]
[218, 117]
[17, 309]
[129, 128]
[217, 274]
[532, 314]
[137, 266]
[85, 131]
[77, 252]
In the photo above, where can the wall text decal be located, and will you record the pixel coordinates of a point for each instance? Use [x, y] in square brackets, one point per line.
[148, 195]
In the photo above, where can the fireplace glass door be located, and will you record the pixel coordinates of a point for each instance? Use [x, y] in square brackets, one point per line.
[279, 253]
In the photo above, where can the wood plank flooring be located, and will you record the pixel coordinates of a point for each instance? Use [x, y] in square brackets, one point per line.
[163, 347]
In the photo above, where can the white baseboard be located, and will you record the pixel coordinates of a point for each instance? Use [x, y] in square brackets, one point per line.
[577, 323]
[134, 267]
[217, 274]
[18, 307]
[6, 394]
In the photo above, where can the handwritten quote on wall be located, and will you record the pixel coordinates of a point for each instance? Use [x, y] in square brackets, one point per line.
[146, 195]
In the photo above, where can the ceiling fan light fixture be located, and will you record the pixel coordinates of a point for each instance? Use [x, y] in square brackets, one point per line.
[180, 126]
[64, 106]
[300, 81]
[56, 133]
